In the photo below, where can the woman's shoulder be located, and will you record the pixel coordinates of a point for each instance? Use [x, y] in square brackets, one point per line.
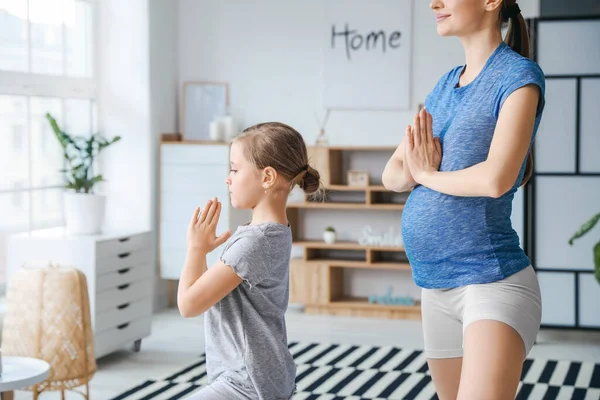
[444, 84]
[515, 65]
[449, 77]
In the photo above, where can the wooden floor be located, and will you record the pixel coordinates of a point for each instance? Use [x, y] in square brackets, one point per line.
[176, 341]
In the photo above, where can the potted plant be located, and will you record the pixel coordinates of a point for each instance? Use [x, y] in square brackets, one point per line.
[585, 228]
[83, 208]
[329, 235]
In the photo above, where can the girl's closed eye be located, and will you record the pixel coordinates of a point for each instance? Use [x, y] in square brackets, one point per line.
[233, 170]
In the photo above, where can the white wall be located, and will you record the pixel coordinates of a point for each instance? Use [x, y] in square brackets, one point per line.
[164, 72]
[530, 8]
[164, 66]
[124, 110]
[137, 88]
[270, 53]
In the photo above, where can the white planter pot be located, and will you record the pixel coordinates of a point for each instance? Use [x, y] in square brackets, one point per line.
[329, 237]
[84, 213]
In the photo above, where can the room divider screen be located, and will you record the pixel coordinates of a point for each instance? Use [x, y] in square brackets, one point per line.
[564, 191]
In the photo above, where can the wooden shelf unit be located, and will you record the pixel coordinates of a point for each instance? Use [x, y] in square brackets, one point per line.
[347, 206]
[317, 278]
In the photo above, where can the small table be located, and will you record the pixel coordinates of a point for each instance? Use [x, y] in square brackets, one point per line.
[21, 372]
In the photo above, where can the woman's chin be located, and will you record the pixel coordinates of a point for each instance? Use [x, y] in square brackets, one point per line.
[444, 30]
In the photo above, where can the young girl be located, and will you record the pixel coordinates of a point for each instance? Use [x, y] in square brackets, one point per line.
[245, 295]
[481, 306]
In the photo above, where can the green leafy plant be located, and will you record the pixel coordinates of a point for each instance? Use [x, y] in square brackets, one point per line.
[79, 153]
[329, 229]
[585, 228]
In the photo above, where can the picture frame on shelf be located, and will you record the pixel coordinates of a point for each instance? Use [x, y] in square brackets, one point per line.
[202, 104]
[358, 178]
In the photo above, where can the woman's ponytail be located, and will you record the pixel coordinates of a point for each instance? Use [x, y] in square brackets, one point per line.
[517, 38]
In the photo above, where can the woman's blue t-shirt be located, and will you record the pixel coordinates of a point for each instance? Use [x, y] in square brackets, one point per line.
[454, 241]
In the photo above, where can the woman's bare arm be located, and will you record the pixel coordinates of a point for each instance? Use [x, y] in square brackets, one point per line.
[498, 173]
[395, 177]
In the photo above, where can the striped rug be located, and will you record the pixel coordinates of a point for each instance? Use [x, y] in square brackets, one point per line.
[338, 371]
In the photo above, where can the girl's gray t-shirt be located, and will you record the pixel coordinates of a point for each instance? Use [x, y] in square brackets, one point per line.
[246, 335]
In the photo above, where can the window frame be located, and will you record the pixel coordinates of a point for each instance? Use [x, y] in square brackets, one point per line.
[29, 84]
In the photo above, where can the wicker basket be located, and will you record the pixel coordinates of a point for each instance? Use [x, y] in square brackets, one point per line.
[48, 317]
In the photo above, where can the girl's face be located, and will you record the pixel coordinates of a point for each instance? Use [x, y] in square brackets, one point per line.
[244, 181]
[464, 17]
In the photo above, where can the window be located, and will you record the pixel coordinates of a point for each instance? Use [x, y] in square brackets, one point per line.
[48, 37]
[46, 66]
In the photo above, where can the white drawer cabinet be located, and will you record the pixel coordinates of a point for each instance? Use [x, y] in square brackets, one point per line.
[119, 270]
[191, 174]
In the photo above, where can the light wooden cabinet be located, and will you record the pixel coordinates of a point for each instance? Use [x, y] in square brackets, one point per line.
[190, 174]
[119, 270]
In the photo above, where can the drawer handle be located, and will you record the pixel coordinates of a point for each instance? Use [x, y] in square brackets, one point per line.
[122, 287]
[123, 306]
[123, 271]
[123, 326]
[124, 255]
[122, 240]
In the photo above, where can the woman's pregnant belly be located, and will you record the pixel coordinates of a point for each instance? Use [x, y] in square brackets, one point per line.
[438, 228]
[451, 240]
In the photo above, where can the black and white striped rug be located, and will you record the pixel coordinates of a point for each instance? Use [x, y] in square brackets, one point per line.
[337, 371]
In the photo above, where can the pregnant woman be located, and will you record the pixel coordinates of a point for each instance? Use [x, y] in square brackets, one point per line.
[465, 156]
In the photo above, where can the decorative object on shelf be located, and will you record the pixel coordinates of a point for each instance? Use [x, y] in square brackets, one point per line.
[329, 235]
[389, 239]
[388, 300]
[203, 103]
[585, 228]
[229, 126]
[358, 178]
[322, 139]
[216, 131]
[223, 129]
[52, 324]
[170, 137]
[83, 209]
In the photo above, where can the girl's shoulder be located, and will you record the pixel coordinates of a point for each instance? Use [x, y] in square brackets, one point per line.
[265, 229]
[263, 234]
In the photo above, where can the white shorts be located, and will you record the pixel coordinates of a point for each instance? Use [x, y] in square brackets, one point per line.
[446, 313]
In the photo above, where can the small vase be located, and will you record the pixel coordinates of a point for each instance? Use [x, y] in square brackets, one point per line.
[329, 237]
[215, 131]
[229, 128]
[322, 139]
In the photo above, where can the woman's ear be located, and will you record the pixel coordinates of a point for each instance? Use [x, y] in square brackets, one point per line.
[269, 176]
[491, 5]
